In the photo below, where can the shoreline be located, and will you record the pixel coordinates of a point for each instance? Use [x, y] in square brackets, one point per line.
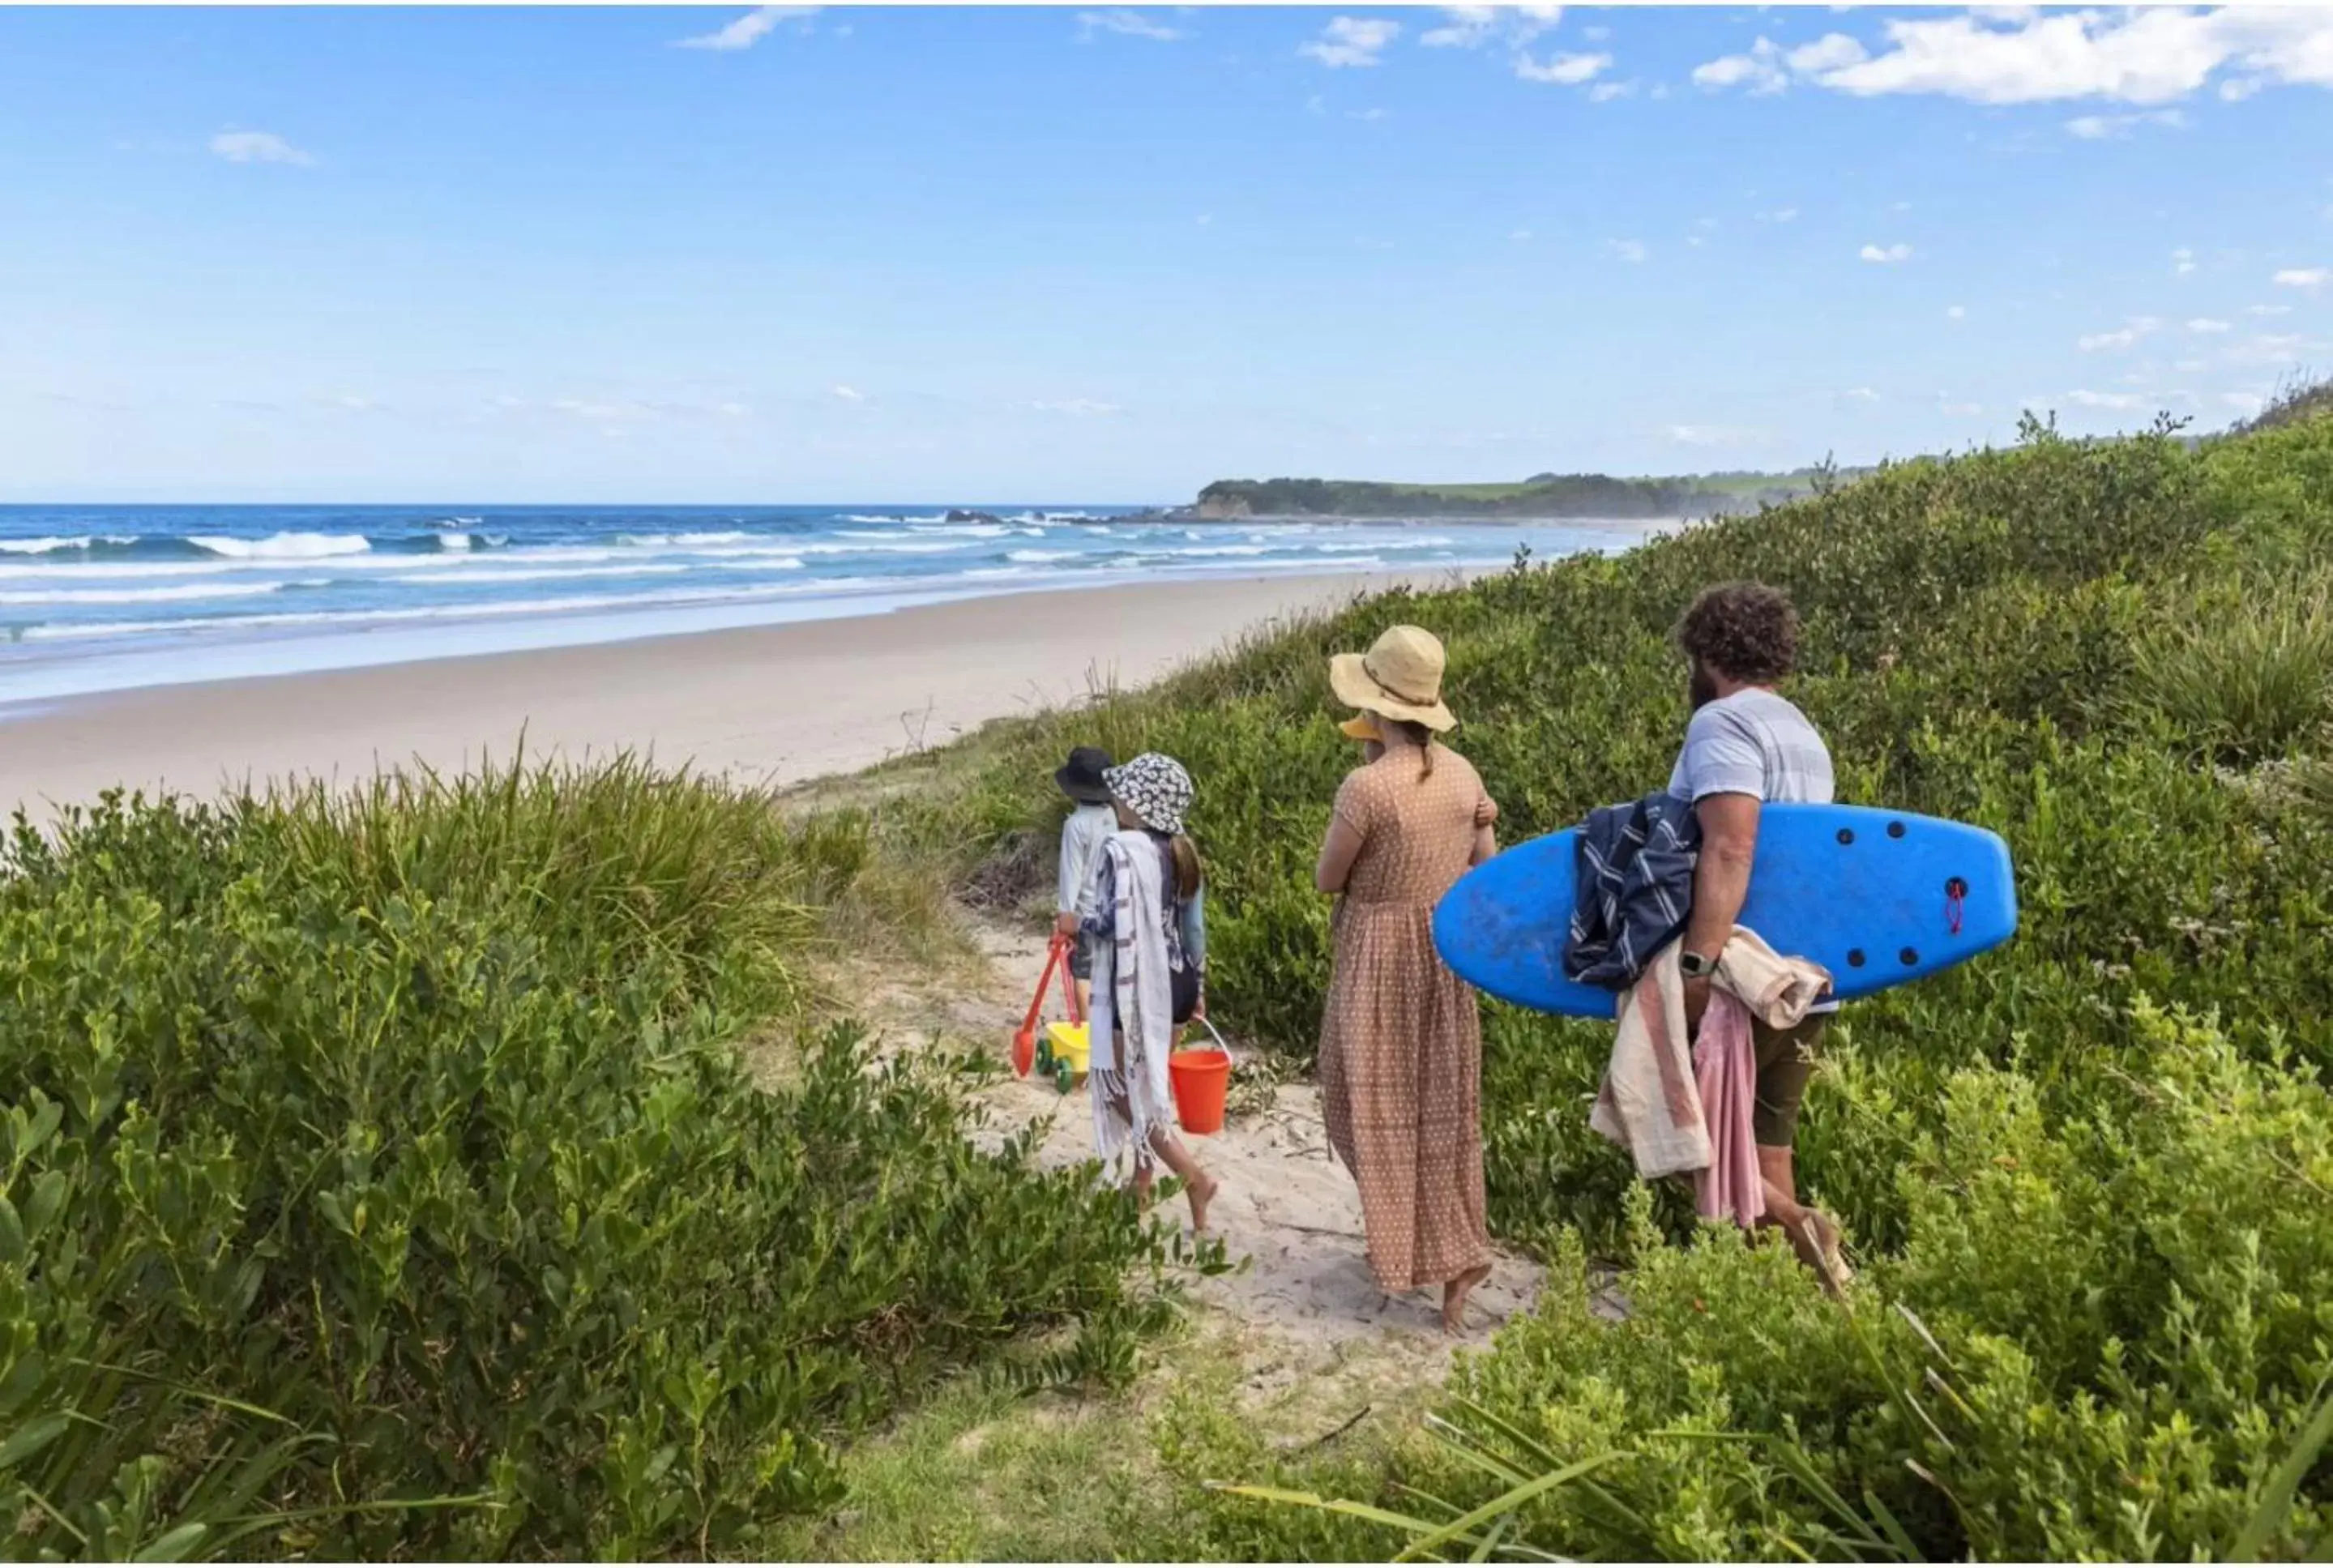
[775, 705]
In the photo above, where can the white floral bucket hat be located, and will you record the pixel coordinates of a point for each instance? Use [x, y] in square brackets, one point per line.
[1154, 788]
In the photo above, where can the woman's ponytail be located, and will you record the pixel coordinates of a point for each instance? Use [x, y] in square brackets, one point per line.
[1418, 735]
[1188, 872]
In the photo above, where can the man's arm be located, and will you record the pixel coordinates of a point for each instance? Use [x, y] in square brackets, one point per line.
[1721, 881]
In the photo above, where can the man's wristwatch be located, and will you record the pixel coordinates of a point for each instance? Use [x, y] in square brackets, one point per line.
[1694, 967]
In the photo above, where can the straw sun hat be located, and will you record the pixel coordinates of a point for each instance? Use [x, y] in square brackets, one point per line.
[1399, 678]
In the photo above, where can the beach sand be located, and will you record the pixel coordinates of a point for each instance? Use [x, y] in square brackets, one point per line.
[774, 705]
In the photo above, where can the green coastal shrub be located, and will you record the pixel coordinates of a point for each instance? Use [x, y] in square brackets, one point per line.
[380, 1181]
[2102, 1339]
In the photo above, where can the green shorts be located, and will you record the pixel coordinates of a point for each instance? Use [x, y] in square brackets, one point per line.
[1786, 1060]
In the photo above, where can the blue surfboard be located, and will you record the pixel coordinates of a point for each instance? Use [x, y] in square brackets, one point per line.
[1877, 898]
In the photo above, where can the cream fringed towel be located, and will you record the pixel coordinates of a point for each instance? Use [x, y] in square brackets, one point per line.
[1132, 1025]
[1649, 1104]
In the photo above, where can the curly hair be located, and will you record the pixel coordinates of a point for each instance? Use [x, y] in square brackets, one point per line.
[1744, 630]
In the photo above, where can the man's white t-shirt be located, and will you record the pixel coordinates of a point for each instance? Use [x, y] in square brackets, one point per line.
[1754, 743]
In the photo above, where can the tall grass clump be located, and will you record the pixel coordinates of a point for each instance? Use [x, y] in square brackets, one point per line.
[377, 1179]
[2091, 1168]
[2251, 680]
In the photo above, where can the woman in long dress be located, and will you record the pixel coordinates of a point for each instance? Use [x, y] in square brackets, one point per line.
[1401, 1040]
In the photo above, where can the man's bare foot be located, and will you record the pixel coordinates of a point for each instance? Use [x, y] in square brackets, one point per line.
[1201, 1191]
[1453, 1298]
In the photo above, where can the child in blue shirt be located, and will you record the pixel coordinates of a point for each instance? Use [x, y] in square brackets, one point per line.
[1091, 820]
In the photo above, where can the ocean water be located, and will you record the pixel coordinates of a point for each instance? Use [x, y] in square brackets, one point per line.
[95, 599]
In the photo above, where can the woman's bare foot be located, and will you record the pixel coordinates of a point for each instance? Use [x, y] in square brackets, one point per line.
[1201, 1191]
[1453, 1298]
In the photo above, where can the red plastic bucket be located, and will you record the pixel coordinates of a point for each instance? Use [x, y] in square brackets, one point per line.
[1201, 1080]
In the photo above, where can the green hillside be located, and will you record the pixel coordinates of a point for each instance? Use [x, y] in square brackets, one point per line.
[2089, 1179]
[1542, 495]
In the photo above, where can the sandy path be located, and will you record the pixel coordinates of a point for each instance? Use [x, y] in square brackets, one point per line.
[1305, 1299]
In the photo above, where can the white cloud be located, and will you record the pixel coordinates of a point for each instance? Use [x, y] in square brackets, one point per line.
[2183, 262]
[1860, 395]
[1471, 27]
[1628, 250]
[2141, 55]
[1833, 52]
[2124, 337]
[258, 147]
[2268, 310]
[750, 29]
[1886, 255]
[731, 411]
[1351, 41]
[1945, 404]
[1468, 26]
[1780, 214]
[2134, 54]
[2206, 324]
[1768, 67]
[2083, 397]
[1956, 312]
[2244, 402]
[1077, 407]
[1759, 70]
[1605, 92]
[1127, 24]
[1562, 70]
[2267, 349]
[850, 394]
[2303, 277]
[1521, 236]
[1204, 219]
[2116, 127]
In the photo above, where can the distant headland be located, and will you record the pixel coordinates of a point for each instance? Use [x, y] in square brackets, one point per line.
[1542, 495]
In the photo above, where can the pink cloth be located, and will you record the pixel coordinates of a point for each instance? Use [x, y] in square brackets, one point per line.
[1675, 1107]
[1726, 1071]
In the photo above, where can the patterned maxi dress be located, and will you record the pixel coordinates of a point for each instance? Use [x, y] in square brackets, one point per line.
[1401, 1041]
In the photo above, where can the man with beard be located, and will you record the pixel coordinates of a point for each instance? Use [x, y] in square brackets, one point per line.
[1748, 745]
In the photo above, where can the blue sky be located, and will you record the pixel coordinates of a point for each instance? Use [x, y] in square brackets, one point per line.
[801, 255]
